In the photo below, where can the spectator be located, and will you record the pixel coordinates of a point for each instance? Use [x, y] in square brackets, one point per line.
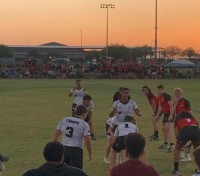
[137, 158]
[54, 154]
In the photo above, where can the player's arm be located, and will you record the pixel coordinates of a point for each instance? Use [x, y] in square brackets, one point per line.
[85, 90]
[153, 105]
[56, 135]
[88, 144]
[110, 131]
[159, 111]
[138, 112]
[90, 115]
[71, 92]
[171, 110]
[113, 112]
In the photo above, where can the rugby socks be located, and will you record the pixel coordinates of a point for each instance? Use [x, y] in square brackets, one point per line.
[156, 134]
[176, 166]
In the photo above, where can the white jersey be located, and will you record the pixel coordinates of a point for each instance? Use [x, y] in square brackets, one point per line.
[125, 128]
[123, 110]
[89, 108]
[110, 121]
[73, 130]
[78, 94]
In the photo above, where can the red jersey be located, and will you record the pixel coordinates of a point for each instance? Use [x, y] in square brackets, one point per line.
[182, 105]
[133, 168]
[185, 119]
[163, 101]
[150, 96]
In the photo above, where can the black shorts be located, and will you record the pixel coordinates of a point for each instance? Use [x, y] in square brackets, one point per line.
[74, 156]
[119, 144]
[166, 117]
[107, 127]
[189, 133]
[73, 109]
[87, 119]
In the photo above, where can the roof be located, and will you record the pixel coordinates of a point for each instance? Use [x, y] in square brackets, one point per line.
[53, 44]
[181, 63]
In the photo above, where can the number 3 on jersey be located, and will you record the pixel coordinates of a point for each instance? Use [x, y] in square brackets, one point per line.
[69, 132]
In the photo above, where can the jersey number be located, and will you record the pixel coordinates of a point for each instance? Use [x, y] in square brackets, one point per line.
[126, 126]
[69, 132]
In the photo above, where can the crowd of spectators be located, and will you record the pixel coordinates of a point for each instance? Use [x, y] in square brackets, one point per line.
[101, 69]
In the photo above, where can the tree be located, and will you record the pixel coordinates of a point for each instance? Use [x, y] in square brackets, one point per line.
[189, 52]
[172, 51]
[5, 51]
[117, 51]
[34, 53]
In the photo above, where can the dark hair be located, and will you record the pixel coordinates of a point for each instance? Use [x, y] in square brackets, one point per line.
[87, 97]
[54, 151]
[160, 86]
[125, 88]
[80, 110]
[196, 154]
[134, 143]
[146, 87]
[121, 88]
[78, 80]
[129, 118]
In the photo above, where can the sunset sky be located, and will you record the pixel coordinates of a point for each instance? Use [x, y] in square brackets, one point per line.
[131, 23]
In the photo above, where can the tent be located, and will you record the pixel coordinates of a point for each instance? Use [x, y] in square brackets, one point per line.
[181, 63]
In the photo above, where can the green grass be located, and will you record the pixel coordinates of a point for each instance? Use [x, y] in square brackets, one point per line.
[31, 109]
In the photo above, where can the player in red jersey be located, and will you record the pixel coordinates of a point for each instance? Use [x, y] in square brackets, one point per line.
[166, 107]
[153, 100]
[181, 104]
[186, 129]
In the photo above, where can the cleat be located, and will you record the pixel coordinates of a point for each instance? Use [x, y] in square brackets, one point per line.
[106, 160]
[152, 136]
[176, 173]
[93, 137]
[170, 149]
[163, 146]
[154, 139]
[187, 159]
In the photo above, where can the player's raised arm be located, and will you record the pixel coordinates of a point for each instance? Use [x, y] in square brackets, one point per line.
[71, 92]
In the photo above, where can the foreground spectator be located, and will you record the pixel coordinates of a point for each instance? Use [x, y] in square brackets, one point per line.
[54, 154]
[134, 144]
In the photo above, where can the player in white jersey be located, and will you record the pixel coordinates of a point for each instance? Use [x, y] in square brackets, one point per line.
[87, 101]
[78, 92]
[73, 131]
[129, 126]
[109, 141]
[124, 107]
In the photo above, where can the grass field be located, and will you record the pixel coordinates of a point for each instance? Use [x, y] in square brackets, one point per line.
[31, 109]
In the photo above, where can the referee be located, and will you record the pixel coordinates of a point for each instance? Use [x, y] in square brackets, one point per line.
[73, 131]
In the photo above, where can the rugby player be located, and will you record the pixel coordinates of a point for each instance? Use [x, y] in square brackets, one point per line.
[129, 126]
[123, 107]
[153, 100]
[196, 154]
[78, 92]
[181, 104]
[166, 107]
[88, 103]
[186, 129]
[73, 131]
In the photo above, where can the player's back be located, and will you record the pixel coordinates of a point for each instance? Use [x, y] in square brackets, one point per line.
[73, 130]
[125, 128]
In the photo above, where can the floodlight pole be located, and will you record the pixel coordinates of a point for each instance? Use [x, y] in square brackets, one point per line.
[107, 6]
[81, 32]
[156, 30]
